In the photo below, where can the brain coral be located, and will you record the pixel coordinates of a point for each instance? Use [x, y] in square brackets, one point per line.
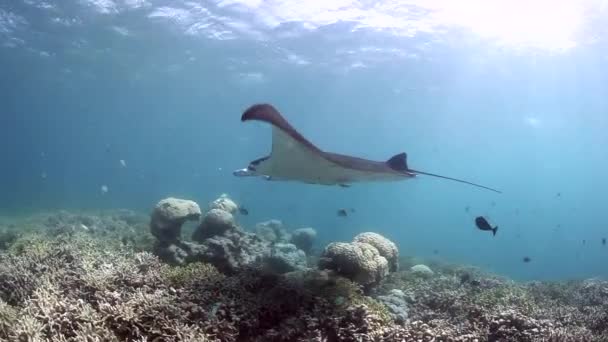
[386, 247]
[361, 262]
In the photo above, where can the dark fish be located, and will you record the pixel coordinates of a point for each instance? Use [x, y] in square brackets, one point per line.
[584, 242]
[559, 194]
[604, 241]
[527, 259]
[344, 212]
[243, 211]
[435, 251]
[483, 224]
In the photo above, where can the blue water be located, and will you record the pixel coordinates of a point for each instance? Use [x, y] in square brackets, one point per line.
[162, 84]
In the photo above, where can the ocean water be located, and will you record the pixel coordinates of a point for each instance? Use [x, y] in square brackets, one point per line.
[512, 95]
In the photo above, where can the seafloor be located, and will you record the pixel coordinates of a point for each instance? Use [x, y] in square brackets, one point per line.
[123, 276]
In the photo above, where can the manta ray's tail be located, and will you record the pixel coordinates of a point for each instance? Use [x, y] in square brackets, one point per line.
[399, 163]
[454, 179]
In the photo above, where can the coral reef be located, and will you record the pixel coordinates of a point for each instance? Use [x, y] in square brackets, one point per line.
[220, 241]
[304, 238]
[169, 215]
[358, 261]
[224, 203]
[396, 303]
[85, 289]
[62, 282]
[361, 261]
[385, 247]
[285, 257]
[464, 304]
[272, 231]
[422, 271]
[216, 222]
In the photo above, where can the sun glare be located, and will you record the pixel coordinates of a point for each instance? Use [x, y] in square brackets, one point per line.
[552, 25]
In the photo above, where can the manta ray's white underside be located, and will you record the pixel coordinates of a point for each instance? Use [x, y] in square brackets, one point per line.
[291, 160]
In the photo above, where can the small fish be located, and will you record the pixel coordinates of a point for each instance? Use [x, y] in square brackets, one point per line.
[352, 210]
[43, 175]
[104, 189]
[243, 211]
[342, 213]
[559, 194]
[493, 204]
[435, 252]
[584, 242]
[526, 259]
[467, 208]
[123, 163]
[604, 241]
[483, 224]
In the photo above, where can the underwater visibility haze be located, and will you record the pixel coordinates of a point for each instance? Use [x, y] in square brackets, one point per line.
[117, 104]
[144, 98]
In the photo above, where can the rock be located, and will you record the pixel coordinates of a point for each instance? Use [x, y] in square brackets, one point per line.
[215, 222]
[396, 303]
[304, 238]
[422, 271]
[169, 215]
[285, 257]
[224, 203]
[386, 247]
[360, 262]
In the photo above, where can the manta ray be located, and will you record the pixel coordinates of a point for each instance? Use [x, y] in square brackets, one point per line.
[295, 158]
